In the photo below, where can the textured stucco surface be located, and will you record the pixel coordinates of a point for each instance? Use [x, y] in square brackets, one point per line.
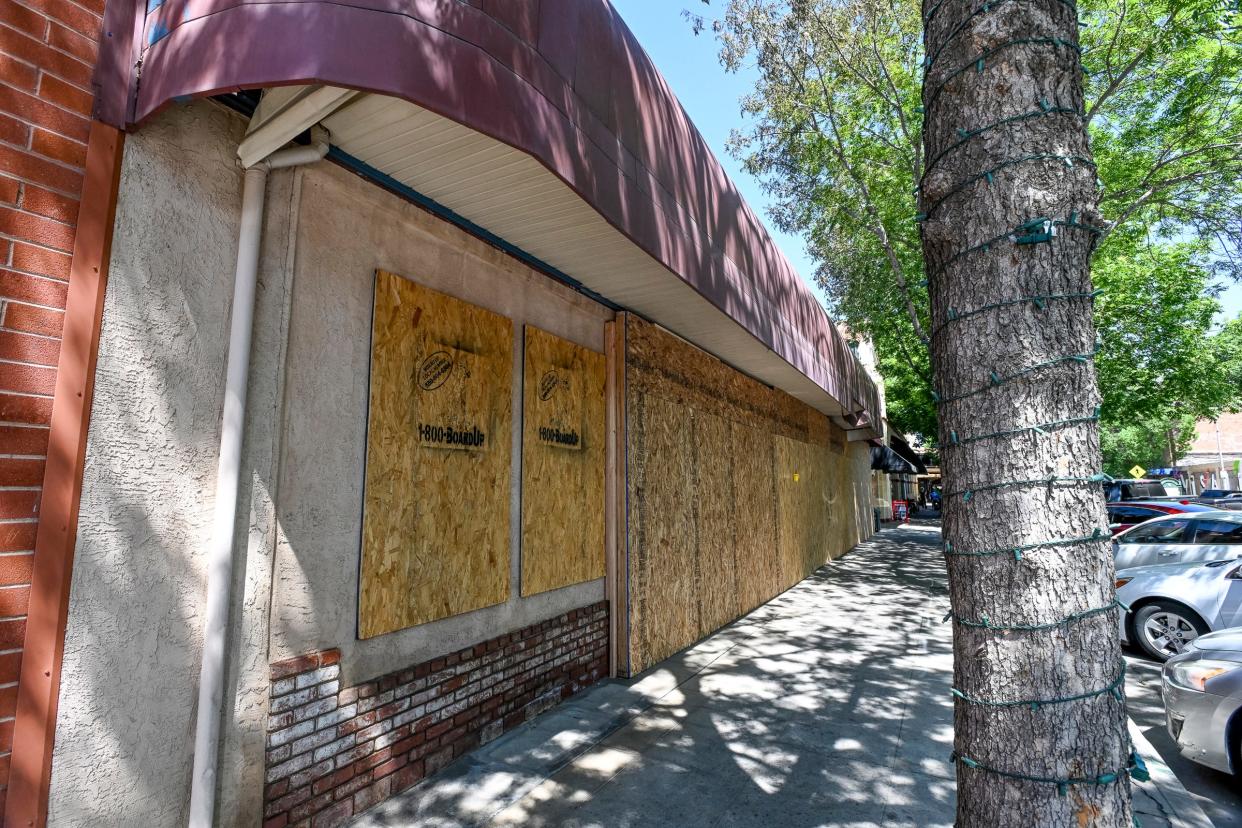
[124, 735]
[346, 228]
[129, 683]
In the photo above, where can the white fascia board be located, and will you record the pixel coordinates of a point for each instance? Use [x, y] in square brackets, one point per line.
[286, 112]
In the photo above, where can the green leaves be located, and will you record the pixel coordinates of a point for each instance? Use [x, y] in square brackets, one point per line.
[836, 136]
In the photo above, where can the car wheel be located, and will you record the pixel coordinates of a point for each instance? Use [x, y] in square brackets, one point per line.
[1233, 742]
[1165, 629]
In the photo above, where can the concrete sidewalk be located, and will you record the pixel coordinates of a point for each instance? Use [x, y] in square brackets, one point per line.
[828, 706]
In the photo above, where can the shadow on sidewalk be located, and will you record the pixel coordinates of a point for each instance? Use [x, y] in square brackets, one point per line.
[828, 706]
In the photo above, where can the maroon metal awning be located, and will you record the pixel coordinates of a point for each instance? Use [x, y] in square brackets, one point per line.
[563, 81]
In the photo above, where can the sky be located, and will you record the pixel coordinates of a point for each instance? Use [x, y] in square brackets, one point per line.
[711, 96]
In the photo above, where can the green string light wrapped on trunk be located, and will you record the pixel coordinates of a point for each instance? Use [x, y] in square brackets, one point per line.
[1050, 480]
[1135, 768]
[982, 9]
[1095, 536]
[979, 61]
[966, 135]
[1041, 428]
[1113, 689]
[989, 175]
[996, 379]
[985, 623]
[1039, 300]
[1032, 232]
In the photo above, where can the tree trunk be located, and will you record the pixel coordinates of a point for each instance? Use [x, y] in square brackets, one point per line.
[1011, 349]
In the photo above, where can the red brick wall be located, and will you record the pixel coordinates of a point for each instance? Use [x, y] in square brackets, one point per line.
[334, 752]
[47, 55]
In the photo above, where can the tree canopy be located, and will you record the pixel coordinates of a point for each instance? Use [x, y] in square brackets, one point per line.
[834, 132]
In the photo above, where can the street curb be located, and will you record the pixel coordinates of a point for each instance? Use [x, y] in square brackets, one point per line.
[1173, 805]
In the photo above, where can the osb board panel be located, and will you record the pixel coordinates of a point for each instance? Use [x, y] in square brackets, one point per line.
[756, 545]
[806, 490]
[664, 607]
[661, 363]
[714, 521]
[563, 455]
[748, 441]
[435, 536]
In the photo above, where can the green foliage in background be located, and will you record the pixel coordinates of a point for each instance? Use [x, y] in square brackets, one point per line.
[1144, 441]
[833, 129]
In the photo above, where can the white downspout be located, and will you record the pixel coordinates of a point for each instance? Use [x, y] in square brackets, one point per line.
[228, 472]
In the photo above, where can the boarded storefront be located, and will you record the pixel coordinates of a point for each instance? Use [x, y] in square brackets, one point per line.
[530, 401]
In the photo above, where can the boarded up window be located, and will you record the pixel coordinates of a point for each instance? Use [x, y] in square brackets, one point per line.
[563, 455]
[435, 536]
[735, 493]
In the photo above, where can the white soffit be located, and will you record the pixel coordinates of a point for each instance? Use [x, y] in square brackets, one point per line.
[515, 197]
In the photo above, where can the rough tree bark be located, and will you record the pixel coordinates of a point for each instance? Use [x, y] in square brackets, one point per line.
[998, 133]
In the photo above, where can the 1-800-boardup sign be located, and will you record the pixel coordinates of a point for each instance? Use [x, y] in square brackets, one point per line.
[559, 411]
[442, 380]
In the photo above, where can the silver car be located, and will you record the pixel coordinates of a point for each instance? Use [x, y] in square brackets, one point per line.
[1172, 605]
[1180, 538]
[1202, 691]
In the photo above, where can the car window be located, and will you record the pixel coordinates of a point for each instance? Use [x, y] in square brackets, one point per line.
[1131, 514]
[1162, 531]
[1138, 491]
[1218, 531]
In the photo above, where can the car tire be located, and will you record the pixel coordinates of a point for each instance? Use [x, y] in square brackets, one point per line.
[1234, 733]
[1162, 629]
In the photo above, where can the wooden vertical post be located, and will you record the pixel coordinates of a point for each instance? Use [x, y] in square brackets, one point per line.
[615, 543]
[39, 686]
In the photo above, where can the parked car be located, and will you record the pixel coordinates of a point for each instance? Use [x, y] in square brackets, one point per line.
[1120, 489]
[1121, 516]
[1172, 605]
[1180, 538]
[1202, 690]
[1218, 499]
[1171, 487]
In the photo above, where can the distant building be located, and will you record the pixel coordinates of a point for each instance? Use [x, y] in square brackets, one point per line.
[1215, 457]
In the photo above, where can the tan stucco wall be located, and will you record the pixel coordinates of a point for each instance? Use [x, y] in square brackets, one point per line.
[124, 734]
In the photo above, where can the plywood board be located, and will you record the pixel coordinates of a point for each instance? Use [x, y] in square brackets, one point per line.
[804, 487]
[715, 524]
[564, 445]
[762, 497]
[754, 494]
[435, 537]
[663, 604]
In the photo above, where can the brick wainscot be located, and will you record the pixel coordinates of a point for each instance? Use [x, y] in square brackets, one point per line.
[333, 752]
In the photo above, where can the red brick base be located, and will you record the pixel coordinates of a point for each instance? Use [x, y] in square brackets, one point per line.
[334, 752]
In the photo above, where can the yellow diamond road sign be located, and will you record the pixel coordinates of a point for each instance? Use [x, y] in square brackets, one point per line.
[1138, 471]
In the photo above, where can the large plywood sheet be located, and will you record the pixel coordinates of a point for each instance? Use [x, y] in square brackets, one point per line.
[563, 455]
[804, 490]
[754, 494]
[663, 603]
[715, 522]
[435, 537]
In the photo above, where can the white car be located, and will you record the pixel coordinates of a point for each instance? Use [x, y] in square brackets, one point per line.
[1173, 604]
[1180, 538]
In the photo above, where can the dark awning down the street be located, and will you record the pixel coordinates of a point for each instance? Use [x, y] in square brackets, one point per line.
[902, 448]
[885, 459]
